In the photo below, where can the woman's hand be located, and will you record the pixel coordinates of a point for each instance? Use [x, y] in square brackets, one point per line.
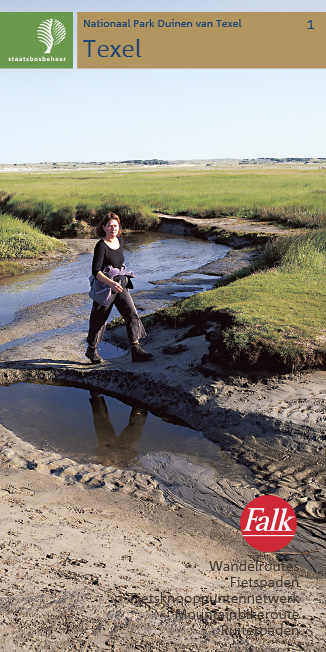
[116, 287]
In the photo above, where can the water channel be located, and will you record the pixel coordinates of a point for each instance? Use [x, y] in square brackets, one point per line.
[152, 256]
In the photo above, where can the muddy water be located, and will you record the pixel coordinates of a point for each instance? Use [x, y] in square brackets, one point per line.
[152, 256]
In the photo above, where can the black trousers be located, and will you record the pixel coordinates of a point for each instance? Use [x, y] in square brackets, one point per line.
[99, 316]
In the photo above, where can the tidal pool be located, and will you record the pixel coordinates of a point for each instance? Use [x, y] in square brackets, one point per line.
[89, 426]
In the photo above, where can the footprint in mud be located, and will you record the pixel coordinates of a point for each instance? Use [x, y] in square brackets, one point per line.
[10, 489]
[301, 483]
[300, 411]
[314, 509]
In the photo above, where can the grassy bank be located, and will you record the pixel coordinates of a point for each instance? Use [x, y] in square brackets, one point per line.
[62, 203]
[19, 240]
[274, 317]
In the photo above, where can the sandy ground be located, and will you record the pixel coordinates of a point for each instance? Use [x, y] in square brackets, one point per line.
[88, 569]
[90, 554]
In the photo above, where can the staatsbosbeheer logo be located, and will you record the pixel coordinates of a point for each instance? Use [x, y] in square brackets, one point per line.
[268, 523]
[36, 39]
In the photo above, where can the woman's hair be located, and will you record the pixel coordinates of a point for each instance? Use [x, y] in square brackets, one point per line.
[110, 216]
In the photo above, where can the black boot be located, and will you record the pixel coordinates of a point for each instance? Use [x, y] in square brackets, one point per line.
[138, 354]
[93, 355]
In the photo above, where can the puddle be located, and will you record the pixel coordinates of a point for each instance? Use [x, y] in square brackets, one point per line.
[199, 276]
[88, 426]
[184, 294]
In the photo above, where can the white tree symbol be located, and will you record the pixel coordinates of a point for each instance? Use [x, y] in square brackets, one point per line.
[51, 32]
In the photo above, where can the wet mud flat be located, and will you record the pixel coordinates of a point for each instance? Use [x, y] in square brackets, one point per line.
[84, 543]
[91, 573]
[284, 458]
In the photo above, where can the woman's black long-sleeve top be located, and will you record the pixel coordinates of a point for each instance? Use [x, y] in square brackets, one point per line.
[104, 256]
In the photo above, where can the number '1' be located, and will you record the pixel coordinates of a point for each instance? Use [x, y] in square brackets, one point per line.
[310, 23]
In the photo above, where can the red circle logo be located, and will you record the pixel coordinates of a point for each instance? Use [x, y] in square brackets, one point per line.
[268, 523]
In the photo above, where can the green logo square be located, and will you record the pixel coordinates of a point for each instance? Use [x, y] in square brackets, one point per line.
[36, 39]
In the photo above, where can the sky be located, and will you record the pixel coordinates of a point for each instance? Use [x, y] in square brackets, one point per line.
[114, 115]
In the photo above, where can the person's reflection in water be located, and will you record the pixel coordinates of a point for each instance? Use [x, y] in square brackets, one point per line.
[112, 450]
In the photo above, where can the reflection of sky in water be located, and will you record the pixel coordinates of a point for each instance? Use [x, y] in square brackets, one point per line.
[95, 428]
[150, 255]
[25, 290]
[167, 255]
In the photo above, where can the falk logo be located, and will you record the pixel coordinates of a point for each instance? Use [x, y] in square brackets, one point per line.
[268, 523]
[51, 32]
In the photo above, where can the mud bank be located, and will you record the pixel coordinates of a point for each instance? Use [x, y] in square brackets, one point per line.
[234, 232]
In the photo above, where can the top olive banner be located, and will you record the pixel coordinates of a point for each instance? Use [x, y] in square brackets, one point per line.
[163, 40]
[201, 40]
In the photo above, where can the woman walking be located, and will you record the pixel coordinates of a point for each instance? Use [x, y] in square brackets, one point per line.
[110, 287]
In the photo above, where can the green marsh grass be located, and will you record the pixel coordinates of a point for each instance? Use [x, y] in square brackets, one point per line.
[292, 196]
[21, 240]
